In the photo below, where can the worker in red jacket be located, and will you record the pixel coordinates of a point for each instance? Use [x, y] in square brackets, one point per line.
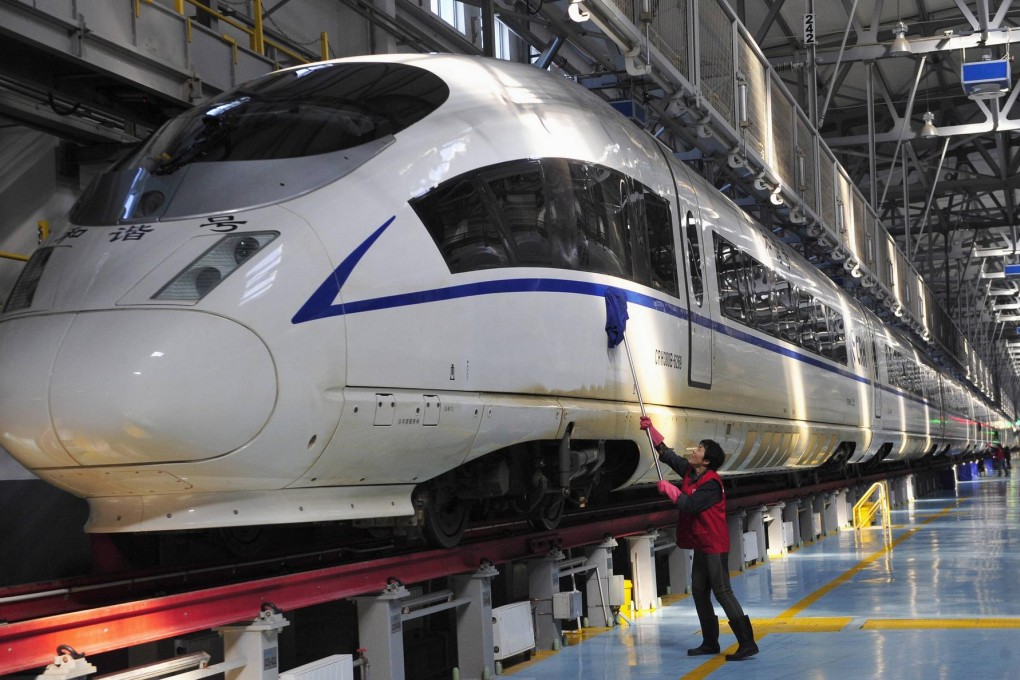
[702, 527]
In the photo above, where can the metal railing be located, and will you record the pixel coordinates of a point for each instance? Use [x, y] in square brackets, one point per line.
[257, 39]
[874, 500]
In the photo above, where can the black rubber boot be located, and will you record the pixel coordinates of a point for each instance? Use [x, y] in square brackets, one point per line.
[709, 638]
[745, 636]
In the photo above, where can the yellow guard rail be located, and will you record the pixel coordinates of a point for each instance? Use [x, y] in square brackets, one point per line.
[865, 509]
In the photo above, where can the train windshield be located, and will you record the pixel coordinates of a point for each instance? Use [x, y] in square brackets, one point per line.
[290, 114]
[304, 116]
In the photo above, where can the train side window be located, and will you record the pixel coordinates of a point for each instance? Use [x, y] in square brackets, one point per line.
[860, 352]
[459, 216]
[552, 212]
[660, 250]
[693, 236]
[603, 243]
[836, 348]
[760, 289]
[520, 198]
[809, 322]
[730, 272]
[787, 324]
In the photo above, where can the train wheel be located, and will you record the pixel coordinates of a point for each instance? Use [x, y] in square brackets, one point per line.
[549, 513]
[446, 516]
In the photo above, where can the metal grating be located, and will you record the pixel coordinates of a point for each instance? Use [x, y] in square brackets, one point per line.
[783, 150]
[757, 124]
[806, 156]
[857, 235]
[669, 34]
[629, 8]
[844, 204]
[868, 254]
[826, 189]
[716, 32]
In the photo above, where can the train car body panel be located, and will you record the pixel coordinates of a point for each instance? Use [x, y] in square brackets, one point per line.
[418, 321]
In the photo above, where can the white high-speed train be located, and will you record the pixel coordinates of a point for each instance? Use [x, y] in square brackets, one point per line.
[373, 289]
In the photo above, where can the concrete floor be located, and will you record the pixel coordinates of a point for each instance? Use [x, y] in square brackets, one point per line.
[937, 596]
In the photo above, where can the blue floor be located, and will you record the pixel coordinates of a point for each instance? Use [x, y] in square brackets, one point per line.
[938, 596]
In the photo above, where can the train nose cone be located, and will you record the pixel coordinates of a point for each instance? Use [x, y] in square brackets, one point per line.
[144, 386]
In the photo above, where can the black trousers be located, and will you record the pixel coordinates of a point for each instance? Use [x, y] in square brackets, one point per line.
[711, 575]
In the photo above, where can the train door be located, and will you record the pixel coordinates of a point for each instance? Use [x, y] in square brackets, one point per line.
[876, 379]
[699, 360]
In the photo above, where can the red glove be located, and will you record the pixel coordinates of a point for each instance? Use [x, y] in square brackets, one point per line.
[668, 489]
[646, 424]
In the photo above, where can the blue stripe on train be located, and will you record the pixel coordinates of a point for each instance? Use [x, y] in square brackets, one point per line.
[322, 305]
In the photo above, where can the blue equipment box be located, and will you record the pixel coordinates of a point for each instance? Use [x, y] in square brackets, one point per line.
[985, 79]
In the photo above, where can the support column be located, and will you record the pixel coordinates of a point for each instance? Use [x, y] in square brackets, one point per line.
[774, 529]
[543, 583]
[381, 632]
[791, 522]
[818, 527]
[756, 525]
[475, 655]
[736, 525]
[257, 643]
[843, 508]
[598, 587]
[830, 520]
[642, 563]
[807, 519]
[679, 562]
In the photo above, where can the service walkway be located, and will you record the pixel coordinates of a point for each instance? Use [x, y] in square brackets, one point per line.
[938, 596]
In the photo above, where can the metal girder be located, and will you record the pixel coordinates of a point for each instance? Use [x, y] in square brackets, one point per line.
[31, 644]
[943, 43]
[40, 115]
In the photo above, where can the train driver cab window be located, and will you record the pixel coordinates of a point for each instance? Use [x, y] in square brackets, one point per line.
[461, 219]
[693, 236]
[521, 201]
[604, 244]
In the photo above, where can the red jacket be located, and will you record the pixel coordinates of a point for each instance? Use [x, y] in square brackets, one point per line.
[706, 531]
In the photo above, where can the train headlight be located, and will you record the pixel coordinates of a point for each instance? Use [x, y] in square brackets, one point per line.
[197, 279]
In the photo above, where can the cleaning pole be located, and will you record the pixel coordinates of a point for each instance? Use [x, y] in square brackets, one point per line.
[616, 330]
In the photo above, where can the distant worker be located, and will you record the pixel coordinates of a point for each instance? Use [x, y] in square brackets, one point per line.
[702, 526]
[1000, 461]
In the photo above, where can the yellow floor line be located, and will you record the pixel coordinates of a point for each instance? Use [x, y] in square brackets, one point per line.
[764, 626]
[939, 624]
[850, 573]
[789, 622]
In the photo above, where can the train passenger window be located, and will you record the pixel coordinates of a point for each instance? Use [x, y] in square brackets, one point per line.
[836, 347]
[730, 267]
[860, 352]
[693, 235]
[760, 286]
[808, 311]
[754, 295]
[787, 324]
[652, 230]
[461, 220]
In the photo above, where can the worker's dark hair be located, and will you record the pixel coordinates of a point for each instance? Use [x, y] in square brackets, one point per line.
[714, 456]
